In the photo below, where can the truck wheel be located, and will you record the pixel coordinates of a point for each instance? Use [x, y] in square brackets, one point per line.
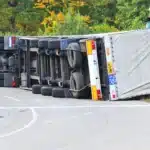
[58, 92]
[67, 93]
[36, 89]
[74, 58]
[46, 91]
[76, 84]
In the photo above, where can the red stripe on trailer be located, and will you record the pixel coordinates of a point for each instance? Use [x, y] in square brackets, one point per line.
[93, 45]
[94, 70]
[13, 40]
[99, 94]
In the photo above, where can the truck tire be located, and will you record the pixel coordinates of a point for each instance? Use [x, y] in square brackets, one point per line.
[74, 58]
[58, 92]
[36, 89]
[74, 55]
[76, 84]
[46, 91]
[67, 93]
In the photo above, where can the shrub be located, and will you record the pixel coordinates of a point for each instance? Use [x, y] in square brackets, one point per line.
[73, 24]
[103, 28]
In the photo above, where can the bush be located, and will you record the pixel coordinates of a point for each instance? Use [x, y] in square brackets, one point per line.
[11, 34]
[73, 25]
[103, 28]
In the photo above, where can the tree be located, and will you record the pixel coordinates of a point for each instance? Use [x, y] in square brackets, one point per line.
[131, 14]
[5, 16]
[101, 11]
[56, 13]
[24, 17]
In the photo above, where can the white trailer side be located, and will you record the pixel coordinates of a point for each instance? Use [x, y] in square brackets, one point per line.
[130, 57]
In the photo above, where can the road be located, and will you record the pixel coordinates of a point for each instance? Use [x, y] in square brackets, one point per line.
[34, 122]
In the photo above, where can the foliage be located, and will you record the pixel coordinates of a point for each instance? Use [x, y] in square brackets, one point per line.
[5, 14]
[73, 24]
[62, 16]
[131, 14]
[27, 18]
[103, 28]
[102, 11]
[36, 17]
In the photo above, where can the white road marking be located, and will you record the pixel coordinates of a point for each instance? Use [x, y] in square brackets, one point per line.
[31, 123]
[12, 98]
[77, 106]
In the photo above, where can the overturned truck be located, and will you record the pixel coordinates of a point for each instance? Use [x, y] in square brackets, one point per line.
[59, 67]
[100, 67]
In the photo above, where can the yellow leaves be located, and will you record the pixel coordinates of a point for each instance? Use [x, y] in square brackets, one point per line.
[62, 3]
[54, 24]
[18, 25]
[77, 3]
[50, 23]
[86, 19]
[49, 29]
[60, 17]
[39, 5]
[45, 21]
[45, 1]
[53, 19]
[52, 14]
[52, 2]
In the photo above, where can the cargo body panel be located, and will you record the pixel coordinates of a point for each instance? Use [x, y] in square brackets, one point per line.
[131, 61]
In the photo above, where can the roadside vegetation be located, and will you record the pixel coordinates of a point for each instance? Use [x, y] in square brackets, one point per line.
[62, 17]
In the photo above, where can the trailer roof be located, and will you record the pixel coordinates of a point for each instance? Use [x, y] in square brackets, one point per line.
[99, 35]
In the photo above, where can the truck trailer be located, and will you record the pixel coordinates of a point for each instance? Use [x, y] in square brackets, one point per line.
[108, 66]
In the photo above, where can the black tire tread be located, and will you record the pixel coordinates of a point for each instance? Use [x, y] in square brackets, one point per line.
[77, 83]
[36, 89]
[58, 92]
[74, 59]
[46, 90]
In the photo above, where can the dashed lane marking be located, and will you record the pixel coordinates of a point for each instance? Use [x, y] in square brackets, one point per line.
[12, 98]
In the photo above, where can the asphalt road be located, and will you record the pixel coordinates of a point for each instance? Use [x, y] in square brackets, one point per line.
[34, 122]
